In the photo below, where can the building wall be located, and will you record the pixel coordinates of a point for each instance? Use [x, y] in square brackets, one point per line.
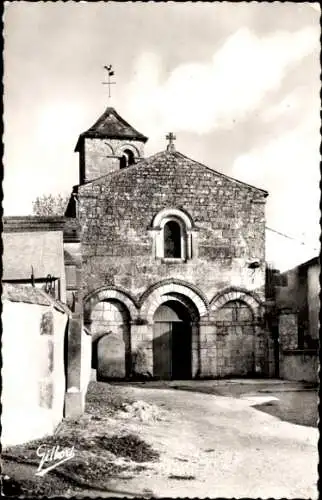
[33, 372]
[73, 264]
[313, 290]
[43, 250]
[301, 296]
[120, 258]
[300, 365]
[102, 156]
[292, 295]
[117, 212]
[297, 307]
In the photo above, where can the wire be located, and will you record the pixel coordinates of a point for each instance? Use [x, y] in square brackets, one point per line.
[289, 237]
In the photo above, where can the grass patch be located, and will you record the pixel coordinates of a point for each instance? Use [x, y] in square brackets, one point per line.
[99, 456]
[128, 446]
[104, 399]
[33, 488]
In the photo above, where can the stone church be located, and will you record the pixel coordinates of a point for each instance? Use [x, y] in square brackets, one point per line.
[173, 261]
[161, 263]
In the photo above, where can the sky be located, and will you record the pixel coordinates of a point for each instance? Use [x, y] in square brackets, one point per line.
[238, 83]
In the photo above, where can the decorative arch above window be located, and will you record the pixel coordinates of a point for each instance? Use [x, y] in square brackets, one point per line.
[128, 155]
[173, 235]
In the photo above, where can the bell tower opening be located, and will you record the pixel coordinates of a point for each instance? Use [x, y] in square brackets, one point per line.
[127, 159]
[110, 144]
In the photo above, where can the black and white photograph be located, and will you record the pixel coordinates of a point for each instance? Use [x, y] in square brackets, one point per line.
[161, 249]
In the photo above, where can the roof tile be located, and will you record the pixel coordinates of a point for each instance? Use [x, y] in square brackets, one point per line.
[31, 295]
[111, 126]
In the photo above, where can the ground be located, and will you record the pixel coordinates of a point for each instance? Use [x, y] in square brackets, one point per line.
[190, 442]
[294, 402]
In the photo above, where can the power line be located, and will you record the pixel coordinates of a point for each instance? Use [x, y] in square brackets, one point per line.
[288, 236]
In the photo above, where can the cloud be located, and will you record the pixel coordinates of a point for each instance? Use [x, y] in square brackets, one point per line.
[199, 97]
[288, 167]
[291, 103]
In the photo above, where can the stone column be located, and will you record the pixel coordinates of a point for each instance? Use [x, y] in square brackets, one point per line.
[74, 398]
[208, 349]
[195, 351]
[142, 349]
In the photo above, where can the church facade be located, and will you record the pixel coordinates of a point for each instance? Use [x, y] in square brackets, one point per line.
[173, 261]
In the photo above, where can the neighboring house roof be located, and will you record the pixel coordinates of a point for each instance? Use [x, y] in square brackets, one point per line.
[31, 295]
[111, 126]
[27, 252]
[23, 223]
[312, 262]
[176, 159]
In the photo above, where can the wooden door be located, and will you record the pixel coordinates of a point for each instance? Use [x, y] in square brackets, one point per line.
[162, 350]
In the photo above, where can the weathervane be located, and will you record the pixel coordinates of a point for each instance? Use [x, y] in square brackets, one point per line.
[110, 72]
[171, 137]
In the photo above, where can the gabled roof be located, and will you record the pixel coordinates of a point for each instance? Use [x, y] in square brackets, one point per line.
[31, 295]
[311, 262]
[237, 181]
[175, 157]
[24, 223]
[111, 126]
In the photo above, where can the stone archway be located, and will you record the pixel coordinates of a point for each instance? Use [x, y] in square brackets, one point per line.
[108, 315]
[172, 341]
[108, 293]
[111, 342]
[189, 306]
[239, 337]
[250, 298]
[236, 345]
[154, 297]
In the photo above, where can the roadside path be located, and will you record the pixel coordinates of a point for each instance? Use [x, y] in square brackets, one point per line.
[221, 446]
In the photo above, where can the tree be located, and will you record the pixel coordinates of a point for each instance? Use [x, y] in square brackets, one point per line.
[50, 204]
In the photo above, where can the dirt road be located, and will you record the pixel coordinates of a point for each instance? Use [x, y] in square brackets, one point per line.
[221, 446]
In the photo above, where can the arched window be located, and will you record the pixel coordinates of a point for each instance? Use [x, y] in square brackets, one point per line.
[172, 240]
[173, 235]
[127, 159]
[130, 156]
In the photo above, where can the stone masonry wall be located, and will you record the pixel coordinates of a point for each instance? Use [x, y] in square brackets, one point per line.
[116, 213]
[102, 156]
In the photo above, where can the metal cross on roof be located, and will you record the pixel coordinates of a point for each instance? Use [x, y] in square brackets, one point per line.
[110, 72]
[170, 137]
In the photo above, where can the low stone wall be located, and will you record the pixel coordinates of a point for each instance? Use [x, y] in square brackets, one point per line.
[301, 365]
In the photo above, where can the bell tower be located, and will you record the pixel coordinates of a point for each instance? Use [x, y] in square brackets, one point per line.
[109, 145]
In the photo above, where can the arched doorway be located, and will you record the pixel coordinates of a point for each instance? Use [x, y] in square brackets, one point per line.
[236, 344]
[111, 344]
[172, 333]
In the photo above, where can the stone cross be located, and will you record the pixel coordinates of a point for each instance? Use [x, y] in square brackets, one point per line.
[171, 137]
[110, 72]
